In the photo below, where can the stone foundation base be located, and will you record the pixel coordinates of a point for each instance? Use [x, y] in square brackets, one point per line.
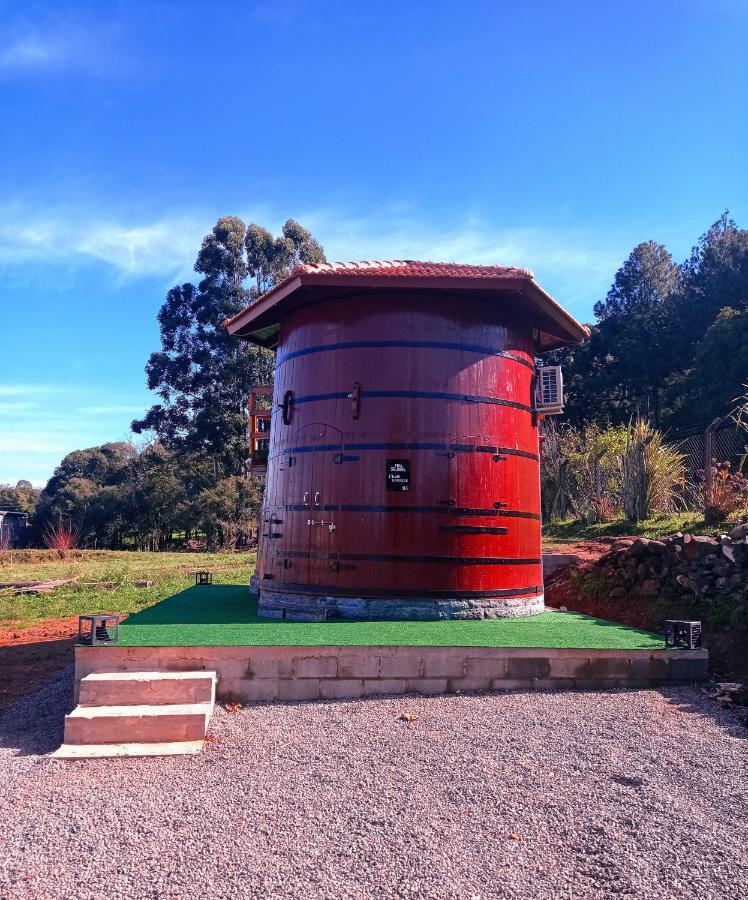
[315, 608]
[267, 674]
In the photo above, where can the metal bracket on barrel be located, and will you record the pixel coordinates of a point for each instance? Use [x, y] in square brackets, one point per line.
[355, 398]
[287, 407]
[340, 458]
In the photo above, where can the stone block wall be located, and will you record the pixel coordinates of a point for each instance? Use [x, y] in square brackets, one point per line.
[263, 674]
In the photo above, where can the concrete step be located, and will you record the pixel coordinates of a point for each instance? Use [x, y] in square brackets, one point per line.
[103, 751]
[137, 724]
[147, 688]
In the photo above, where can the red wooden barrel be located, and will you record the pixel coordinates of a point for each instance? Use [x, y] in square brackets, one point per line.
[403, 473]
[403, 478]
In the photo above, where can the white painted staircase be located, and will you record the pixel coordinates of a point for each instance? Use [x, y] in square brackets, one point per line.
[139, 714]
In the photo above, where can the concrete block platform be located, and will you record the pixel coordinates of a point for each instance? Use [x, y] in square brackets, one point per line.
[295, 673]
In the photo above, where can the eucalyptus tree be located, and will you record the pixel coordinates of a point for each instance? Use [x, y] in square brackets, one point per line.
[201, 374]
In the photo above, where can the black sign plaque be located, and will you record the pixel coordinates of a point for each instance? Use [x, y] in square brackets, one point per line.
[398, 474]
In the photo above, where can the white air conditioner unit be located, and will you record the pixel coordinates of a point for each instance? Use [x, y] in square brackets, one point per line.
[549, 393]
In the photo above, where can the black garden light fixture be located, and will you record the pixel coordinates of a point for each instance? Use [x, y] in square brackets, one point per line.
[682, 634]
[101, 628]
[203, 578]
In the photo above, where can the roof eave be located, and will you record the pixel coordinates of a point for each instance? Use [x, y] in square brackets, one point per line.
[570, 331]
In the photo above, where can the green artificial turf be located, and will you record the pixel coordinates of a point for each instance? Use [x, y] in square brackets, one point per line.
[217, 615]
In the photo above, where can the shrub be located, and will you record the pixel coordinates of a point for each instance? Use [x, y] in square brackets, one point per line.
[61, 538]
[727, 493]
[653, 473]
[580, 472]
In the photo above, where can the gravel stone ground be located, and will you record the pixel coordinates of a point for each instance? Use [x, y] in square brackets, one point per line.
[527, 795]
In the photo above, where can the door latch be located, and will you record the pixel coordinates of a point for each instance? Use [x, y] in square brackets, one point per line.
[330, 525]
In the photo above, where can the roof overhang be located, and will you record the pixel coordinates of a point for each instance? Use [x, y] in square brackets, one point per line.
[259, 323]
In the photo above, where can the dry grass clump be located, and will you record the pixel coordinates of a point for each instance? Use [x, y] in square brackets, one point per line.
[653, 473]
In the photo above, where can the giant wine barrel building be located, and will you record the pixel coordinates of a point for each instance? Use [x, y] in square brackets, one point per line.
[403, 453]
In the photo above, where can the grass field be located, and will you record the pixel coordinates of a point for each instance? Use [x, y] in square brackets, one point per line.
[227, 615]
[170, 573]
[573, 530]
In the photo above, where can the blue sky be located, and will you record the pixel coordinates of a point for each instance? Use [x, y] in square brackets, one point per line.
[542, 134]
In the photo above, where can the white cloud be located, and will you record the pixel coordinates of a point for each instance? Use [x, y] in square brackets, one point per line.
[578, 264]
[165, 247]
[31, 52]
[55, 43]
[25, 390]
[34, 50]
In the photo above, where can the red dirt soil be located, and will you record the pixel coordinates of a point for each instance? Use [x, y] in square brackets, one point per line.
[30, 656]
[727, 655]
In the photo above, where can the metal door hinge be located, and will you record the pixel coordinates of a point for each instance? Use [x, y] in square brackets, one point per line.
[341, 458]
[355, 398]
[287, 407]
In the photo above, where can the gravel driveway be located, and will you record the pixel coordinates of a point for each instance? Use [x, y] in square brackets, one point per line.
[545, 795]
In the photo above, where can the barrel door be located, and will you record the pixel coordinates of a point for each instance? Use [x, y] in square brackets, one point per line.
[317, 525]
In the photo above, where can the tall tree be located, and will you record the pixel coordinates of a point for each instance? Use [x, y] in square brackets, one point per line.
[715, 277]
[618, 372]
[202, 374]
[711, 388]
[24, 496]
[633, 326]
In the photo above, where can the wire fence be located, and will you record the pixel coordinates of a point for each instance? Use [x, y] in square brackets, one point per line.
[729, 444]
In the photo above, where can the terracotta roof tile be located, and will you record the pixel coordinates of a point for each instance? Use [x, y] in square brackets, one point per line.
[411, 268]
[410, 273]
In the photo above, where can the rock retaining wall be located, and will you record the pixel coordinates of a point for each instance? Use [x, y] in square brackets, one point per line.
[706, 574]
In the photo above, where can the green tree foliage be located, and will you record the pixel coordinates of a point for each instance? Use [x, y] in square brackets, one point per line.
[24, 497]
[114, 496]
[202, 374]
[72, 493]
[227, 511]
[713, 278]
[669, 343]
[712, 386]
[620, 370]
